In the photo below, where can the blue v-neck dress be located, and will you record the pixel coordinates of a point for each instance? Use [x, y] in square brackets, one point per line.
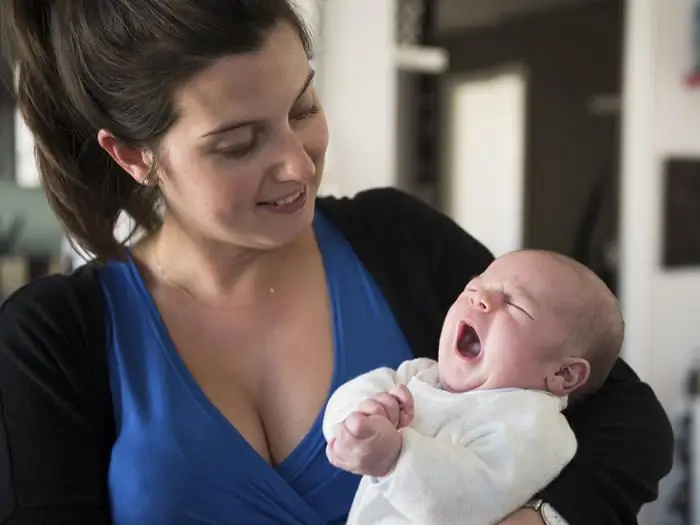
[178, 461]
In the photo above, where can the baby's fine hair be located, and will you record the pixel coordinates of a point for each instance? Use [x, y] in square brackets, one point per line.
[597, 326]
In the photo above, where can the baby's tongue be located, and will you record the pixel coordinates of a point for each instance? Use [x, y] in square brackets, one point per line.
[469, 344]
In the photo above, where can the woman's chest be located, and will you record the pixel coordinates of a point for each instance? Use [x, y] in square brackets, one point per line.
[201, 426]
[227, 411]
[192, 467]
[267, 370]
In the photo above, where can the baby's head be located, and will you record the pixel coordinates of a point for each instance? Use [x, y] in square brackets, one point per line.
[533, 319]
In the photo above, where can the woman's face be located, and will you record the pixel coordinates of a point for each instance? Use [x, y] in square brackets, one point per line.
[244, 160]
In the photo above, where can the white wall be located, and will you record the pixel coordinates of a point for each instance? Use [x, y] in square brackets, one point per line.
[486, 116]
[661, 117]
[25, 170]
[26, 173]
[358, 86]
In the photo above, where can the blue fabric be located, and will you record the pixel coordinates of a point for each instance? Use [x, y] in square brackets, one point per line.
[177, 459]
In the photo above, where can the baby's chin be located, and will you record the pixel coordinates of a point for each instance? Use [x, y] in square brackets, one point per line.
[459, 386]
[449, 388]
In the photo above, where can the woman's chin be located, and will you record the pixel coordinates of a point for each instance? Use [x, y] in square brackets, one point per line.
[277, 235]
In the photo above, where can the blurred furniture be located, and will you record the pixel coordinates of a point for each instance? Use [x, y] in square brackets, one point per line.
[28, 229]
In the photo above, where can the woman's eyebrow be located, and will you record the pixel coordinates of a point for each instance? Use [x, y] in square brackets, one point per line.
[230, 126]
[307, 83]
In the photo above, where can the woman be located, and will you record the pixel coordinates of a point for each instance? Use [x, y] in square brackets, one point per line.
[182, 381]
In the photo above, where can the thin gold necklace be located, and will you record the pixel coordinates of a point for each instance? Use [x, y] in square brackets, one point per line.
[184, 290]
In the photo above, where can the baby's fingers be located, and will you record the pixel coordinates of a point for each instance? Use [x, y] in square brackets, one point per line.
[372, 407]
[336, 456]
[404, 397]
[358, 426]
[391, 406]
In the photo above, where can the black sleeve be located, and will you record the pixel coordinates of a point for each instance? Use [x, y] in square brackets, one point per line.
[457, 257]
[625, 448]
[625, 437]
[56, 426]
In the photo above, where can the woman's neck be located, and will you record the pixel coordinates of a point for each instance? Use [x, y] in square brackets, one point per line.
[215, 273]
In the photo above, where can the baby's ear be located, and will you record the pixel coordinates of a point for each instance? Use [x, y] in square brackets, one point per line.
[571, 374]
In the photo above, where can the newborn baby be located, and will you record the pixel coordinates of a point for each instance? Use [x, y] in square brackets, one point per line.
[472, 437]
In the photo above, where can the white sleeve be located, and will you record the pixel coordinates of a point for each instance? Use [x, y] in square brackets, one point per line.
[494, 470]
[348, 396]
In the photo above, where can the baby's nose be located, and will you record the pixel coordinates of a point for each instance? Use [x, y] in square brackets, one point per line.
[488, 300]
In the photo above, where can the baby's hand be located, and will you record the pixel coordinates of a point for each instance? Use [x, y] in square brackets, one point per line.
[363, 444]
[407, 408]
[396, 405]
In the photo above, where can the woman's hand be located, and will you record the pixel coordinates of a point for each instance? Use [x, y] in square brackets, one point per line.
[523, 517]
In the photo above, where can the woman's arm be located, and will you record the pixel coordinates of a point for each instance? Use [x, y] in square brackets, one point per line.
[625, 449]
[56, 425]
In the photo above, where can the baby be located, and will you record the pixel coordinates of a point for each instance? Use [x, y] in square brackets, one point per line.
[472, 437]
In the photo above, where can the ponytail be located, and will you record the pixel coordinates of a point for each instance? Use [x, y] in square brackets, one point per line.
[86, 189]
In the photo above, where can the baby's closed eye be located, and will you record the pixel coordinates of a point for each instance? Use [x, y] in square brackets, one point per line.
[512, 303]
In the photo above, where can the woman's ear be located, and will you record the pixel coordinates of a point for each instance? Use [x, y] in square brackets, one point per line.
[134, 161]
[571, 374]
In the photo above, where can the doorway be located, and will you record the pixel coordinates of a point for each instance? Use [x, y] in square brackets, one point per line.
[484, 160]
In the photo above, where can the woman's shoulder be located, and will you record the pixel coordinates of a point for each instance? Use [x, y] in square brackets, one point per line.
[56, 416]
[380, 205]
[55, 324]
[392, 220]
[58, 299]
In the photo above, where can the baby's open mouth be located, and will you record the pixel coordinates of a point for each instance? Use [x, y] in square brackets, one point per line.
[468, 342]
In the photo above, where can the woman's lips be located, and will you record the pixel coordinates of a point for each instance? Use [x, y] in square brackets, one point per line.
[288, 204]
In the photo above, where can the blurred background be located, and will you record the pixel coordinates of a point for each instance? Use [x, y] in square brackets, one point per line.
[569, 125]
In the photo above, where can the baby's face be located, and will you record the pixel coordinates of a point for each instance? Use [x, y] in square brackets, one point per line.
[505, 329]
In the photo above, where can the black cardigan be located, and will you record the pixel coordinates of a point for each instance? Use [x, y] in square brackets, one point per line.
[56, 421]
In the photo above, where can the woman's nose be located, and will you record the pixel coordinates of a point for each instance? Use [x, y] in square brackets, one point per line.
[295, 163]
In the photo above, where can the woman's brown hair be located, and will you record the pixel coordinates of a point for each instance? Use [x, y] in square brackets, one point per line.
[86, 65]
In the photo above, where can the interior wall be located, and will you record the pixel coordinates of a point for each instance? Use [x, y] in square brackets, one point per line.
[486, 119]
[359, 89]
[662, 119]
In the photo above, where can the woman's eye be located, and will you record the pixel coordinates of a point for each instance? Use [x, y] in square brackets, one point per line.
[308, 113]
[238, 151]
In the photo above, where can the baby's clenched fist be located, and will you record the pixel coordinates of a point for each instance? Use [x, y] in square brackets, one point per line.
[367, 445]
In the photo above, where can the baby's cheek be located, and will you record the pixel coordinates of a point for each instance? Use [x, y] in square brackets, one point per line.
[522, 334]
